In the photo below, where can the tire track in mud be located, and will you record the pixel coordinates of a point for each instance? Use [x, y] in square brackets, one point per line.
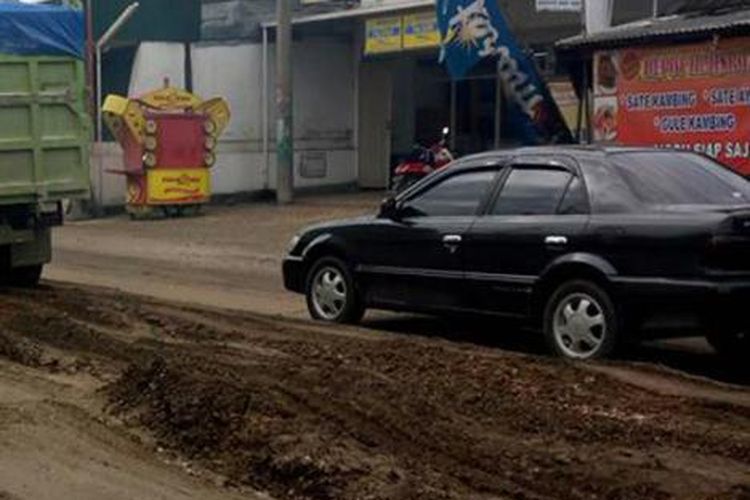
[303, 413]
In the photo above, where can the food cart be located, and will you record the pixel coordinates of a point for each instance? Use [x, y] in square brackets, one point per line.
[169, 138]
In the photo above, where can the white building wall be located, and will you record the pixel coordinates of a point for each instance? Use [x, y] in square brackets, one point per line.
[323, 111]
[234, 72]
[154, 62]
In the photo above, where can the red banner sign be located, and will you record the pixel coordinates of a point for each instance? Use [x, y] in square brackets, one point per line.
[694, 97]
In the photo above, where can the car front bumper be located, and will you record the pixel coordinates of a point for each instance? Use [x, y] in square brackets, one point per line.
[293, 269]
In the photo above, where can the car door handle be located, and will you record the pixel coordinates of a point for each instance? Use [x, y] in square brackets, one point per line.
[452, 239]
[556, 240]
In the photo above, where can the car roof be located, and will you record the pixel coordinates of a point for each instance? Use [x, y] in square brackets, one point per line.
[574, 151]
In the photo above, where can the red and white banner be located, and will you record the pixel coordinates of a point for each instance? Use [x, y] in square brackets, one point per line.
[694, 97]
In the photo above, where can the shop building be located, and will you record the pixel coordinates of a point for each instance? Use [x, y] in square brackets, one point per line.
[388, 90]
[678, 81]
[362, 97]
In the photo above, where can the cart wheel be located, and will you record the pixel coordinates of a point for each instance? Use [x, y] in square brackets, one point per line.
[191, 210]
[170, 211]
[140, 212]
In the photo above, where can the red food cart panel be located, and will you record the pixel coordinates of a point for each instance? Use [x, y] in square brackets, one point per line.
[180, 140]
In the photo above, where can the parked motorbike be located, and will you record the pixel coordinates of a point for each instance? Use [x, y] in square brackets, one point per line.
[421, 162]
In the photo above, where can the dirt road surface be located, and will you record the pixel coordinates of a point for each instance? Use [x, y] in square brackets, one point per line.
[231, 257]
[94, 380]
[202, 378]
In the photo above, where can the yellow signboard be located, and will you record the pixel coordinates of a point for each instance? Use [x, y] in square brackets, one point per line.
[421, 31]
[189, 185]
[383, 34]
[169, 98]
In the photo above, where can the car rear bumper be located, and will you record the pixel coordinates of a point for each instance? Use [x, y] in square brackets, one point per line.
[713, 301]
[293, 269]
[661, 286]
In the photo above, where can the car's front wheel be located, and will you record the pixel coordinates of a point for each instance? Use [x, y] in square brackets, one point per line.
[580, 321]
[332, 294]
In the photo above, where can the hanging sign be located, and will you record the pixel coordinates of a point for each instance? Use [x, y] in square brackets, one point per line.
[383, 34]
[421, 31]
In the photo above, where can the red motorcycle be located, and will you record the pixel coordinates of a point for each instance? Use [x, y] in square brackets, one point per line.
[421, 162]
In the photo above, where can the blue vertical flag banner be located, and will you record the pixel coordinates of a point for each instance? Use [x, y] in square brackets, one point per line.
[472, 30]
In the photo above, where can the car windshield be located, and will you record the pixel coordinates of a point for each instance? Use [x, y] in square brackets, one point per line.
[673, 178]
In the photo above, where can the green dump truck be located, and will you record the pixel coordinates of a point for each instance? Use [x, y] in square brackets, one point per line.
[44, 132]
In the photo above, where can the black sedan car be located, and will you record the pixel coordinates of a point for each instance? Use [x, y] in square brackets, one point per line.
[593, 246]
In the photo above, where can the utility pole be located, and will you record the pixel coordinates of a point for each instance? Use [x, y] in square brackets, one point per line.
[284, 125]
[101, 44]
[655, 11]
[90, 61]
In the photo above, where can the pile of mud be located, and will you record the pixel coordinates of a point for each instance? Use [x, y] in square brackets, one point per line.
[340, 414]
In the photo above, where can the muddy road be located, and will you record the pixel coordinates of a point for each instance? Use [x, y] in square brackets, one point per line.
[177, 401]
[231, 258]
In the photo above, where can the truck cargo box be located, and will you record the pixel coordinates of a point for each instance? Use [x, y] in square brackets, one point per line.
[44, 129]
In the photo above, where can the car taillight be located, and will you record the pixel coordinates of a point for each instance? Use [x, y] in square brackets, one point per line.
[741, 225]
[729, 248]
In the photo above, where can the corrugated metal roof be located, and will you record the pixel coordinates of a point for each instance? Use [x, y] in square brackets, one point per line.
[709, 5]
[682, 26]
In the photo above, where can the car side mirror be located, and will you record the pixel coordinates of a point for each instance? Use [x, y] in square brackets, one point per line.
[389, 209]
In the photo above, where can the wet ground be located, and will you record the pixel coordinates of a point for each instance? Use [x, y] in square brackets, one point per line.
[202, 378]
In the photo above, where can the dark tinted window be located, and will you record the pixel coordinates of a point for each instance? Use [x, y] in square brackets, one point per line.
[532, 192]
[608, 193]
[673, 178]
[457, 195]
[575, 200]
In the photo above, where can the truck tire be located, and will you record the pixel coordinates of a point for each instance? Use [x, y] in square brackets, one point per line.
[25, 277]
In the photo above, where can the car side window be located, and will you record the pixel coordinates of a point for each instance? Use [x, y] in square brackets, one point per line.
[457, 195]
[532, 191]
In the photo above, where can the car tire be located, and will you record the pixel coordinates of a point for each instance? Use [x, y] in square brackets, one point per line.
[580, 321]
[332, 294]
[25, 277]
[734, 347]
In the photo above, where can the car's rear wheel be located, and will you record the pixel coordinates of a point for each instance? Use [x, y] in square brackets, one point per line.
[332, 294]
[580, 321]
[733, 346]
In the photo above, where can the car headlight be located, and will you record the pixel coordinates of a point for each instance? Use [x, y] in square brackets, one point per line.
[293, 243]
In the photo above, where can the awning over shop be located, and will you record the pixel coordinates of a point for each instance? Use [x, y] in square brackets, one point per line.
[673, 29]
[358, 12]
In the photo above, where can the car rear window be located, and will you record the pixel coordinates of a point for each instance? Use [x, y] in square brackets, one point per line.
[674, 178]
